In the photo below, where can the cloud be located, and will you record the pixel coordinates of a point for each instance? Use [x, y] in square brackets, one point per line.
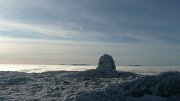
[135, 32]
[56, 52]
[4, 29]
[38, 29]
[53, 32]
[103, 20]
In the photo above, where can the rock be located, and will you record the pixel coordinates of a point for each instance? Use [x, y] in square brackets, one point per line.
[137, 93]
[17, 80]
[106, 63]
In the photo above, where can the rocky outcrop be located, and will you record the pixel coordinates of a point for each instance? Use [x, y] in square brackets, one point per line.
[106, 69]
[106, 63]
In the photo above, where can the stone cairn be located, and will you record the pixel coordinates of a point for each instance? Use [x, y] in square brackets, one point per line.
[106, 63]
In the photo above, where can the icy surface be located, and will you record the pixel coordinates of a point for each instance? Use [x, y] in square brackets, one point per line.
[91, 85]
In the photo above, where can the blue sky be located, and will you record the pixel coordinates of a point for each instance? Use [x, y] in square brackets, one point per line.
[134, 32]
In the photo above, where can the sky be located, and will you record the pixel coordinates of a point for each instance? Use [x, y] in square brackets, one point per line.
[143, 32]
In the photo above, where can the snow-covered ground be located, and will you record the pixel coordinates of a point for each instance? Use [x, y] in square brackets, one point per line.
[90, 85]
[83, 83]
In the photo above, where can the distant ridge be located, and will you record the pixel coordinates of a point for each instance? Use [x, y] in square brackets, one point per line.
[134, 65]
[76, 64]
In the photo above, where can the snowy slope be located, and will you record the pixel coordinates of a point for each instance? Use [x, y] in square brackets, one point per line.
[89, 85]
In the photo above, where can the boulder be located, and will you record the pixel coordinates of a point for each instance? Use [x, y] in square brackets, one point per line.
[106, 63]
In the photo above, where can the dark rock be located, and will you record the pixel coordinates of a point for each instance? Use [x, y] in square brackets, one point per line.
[137, 93]
[17, 80]
[106, 63]
[66, 82]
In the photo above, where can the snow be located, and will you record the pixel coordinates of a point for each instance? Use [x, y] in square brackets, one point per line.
[91, 85]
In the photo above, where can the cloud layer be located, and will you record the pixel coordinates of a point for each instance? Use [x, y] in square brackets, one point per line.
[114, 21]
[132, 31]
